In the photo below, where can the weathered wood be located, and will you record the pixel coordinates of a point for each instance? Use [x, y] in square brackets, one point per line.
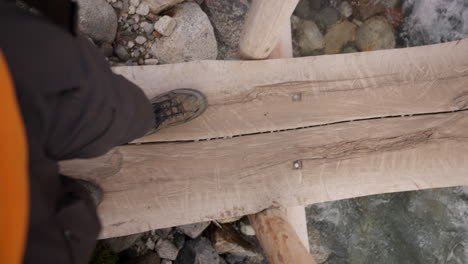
[278, 238]
[296, 215]
[263, 25]
[248, 97]
[161, 185]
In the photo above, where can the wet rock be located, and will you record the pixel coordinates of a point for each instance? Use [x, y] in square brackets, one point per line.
[192, 39]
[326, 17]
[165, 25]
[227, 18]
[97, 19]
[346, 10]
[157, 6]
[227, 239]
[119, 244]
[308, 38]
[193, 230]
[122, 53]
[166, 249]
[427, 226]
[338, 35]
[198, 251]
[375, 34]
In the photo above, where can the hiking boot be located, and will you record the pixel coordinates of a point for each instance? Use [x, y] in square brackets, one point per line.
[176, 107]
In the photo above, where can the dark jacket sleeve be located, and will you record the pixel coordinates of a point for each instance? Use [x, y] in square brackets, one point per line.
[73, 106]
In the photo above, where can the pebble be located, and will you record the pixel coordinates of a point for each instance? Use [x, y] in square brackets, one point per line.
[166, 261]
[247, 229]
[151, 61]
[136, 18]
[131, 10]
[165, 25]
[150, 244]
[166, 249]
[309, 38]
[136, 53]
[130, 44]
[198, 251]
[131, 21]
[135, 2]
[375, 34]
[118, 5]
[338, 35]
[346, 10]
[193, 230]
[136, 27]
[143, 9]
[122, 52]
[140, 40]
[147, 27]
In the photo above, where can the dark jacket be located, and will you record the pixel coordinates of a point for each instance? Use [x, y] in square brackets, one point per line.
[73, 106]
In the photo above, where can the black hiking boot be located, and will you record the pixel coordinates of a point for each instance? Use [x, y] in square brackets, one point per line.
[177, 107]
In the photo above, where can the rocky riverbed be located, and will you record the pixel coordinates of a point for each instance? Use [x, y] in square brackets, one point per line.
[413, 227]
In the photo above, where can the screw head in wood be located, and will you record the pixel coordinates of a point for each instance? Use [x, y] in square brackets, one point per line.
[297, 165]
[297, 97]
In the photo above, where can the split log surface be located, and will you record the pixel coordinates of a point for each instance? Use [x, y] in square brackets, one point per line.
[157, 184]
[247, 97]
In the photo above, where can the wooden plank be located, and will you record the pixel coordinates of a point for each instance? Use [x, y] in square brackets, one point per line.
[278, 238]
[296, 215]
[257, 96]
[262, 27]
[160, 185]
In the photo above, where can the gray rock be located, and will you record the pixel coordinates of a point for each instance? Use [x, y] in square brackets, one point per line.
[192, 39]
[227, 18]
[122, 53]
[131, 10]
[163, 232]
[375, 34]
[198, 251]
[166, 249]
[143, 9]
[427, 226]
[157, 6]
[303, 9]
[326, 17]
[147, 27]
[338, 35]
[193, 230]
[150, 244]
[308, 37]
[97, 19]
[119, 244]
[118, 5]
[135, 3]
[131, 44]
[346, 10]
[165, 25]
[135, 27]
[140, 40]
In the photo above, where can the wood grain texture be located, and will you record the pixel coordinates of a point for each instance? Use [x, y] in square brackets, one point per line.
[167, 184]
[278, 238]
[262, 27]
[258, 96]
[295, 215]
